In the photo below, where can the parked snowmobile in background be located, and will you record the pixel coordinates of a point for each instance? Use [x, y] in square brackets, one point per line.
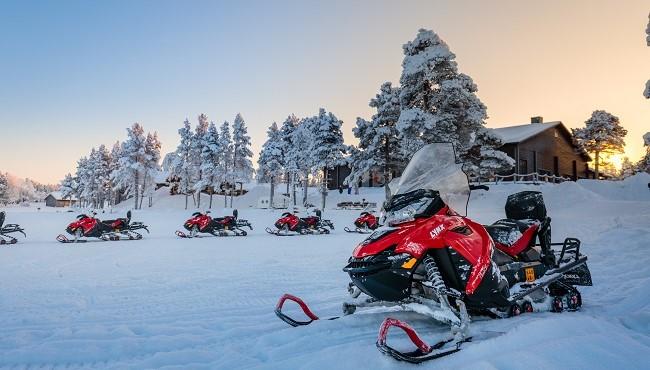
[430, 259]
[7, 229]
[222, 226]
[290, 224]
[106, 230]
[364, 224]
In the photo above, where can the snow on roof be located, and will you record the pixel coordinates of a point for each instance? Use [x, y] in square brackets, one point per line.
[519, 133]
[58, 196]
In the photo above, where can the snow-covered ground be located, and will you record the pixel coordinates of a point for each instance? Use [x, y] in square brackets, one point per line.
[166, 302]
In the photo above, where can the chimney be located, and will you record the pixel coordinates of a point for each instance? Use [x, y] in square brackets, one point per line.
[537, 119]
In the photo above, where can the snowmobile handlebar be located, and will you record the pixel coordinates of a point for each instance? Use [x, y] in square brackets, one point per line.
[479, 187]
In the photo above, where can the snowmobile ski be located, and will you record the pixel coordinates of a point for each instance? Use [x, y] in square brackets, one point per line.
[303, 306]
[424, 351]
[357, 230]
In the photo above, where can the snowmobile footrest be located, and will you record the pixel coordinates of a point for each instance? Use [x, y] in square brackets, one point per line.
[303, 307]
[424, 351]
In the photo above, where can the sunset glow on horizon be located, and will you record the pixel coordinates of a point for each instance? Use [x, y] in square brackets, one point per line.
[78, 73]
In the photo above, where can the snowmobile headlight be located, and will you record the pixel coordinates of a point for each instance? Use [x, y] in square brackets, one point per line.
[408, 213]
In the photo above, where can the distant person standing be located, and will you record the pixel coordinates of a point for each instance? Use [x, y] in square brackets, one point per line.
[340, 189]
[349, 190]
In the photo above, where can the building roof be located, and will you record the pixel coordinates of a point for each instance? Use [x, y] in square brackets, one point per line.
[58, 196]
[519, 133]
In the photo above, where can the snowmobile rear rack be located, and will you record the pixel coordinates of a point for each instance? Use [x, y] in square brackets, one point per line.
[424, 351]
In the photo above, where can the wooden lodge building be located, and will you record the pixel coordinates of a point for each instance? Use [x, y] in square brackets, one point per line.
[55, 199]
[545, 148]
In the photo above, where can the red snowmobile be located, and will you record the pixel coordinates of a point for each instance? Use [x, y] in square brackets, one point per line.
[290, 224]
[106, 230]
[430, 259]
[364, 224]
[7, 229]
[222, 226]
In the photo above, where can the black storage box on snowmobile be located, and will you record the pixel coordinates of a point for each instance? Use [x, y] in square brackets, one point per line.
[526, 205]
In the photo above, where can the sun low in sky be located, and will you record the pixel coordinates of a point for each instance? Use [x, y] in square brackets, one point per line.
[77, 73]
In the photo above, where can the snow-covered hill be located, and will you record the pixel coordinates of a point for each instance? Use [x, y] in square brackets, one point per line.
[172, 303]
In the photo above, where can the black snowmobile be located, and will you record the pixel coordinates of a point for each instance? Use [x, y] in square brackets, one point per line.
[7, 229]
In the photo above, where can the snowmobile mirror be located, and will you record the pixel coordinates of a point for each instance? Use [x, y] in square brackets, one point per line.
[318, 213]
[207, 212]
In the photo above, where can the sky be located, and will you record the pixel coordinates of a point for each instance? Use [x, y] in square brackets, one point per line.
[75, 74]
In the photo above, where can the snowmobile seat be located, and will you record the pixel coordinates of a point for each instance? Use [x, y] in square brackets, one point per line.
[513, 236]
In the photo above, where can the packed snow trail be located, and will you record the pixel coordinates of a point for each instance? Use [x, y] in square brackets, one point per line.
[166, 302]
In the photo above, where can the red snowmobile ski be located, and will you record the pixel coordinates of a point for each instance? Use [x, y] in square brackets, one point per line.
[106, 230]
[7, 229]
[364, 224]
[222, 226]
[430, 259]
[290, 224]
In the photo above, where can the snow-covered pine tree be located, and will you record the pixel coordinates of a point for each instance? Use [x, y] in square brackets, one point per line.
[602, 134]
[627, 168]
[242, 166]
[68, 187]
[427, 63]
[299, 152]
[644, 163]
[131, 163]
[211, 160]
[182, 164]
[82, 178]
[198, 142]
[359, 161]
[226, 159]
[289, 163]
[271, 158]
[151, 166]
[482, 159]
[115, 192]
[438, 104]
[379, 145]
[102, 164]
[4, 189]
[327, 149]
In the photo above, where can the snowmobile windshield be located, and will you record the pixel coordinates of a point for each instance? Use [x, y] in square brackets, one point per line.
[434, 167]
